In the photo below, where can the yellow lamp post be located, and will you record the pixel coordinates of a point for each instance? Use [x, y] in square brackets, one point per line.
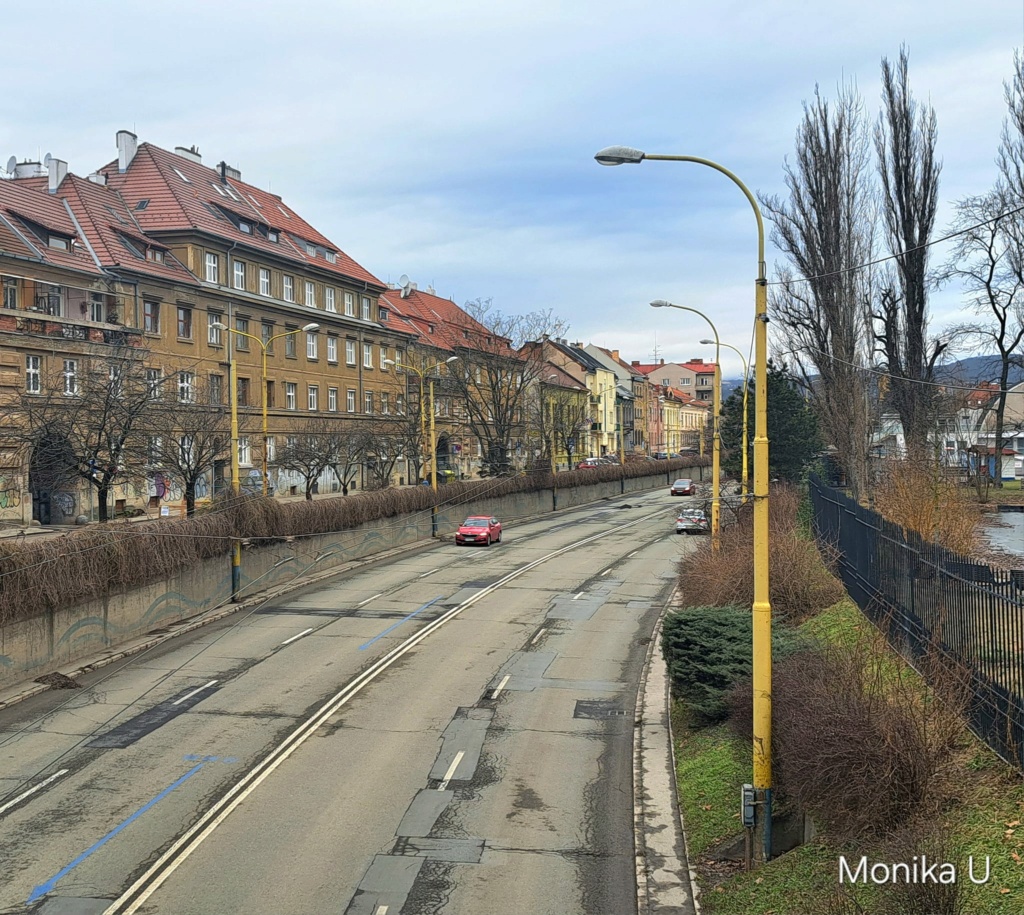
[425, 373]
[762, 611]
[716, 438]
[746, 374]
[264, 345]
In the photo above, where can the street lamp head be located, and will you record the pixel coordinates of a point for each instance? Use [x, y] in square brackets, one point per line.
[310, 327]
[218, 326]
[453, 359]
[707, 342]
[661, 303]
[619, 155]
[390, 362]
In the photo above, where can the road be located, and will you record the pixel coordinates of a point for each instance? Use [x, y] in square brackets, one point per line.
[447, 731]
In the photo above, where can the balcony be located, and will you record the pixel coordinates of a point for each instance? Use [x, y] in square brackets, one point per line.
[70, 329]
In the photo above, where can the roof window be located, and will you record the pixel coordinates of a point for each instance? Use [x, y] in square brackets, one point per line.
[180, 175]
[141, 205]
[255, 202]
[283, 211]
[218, 189]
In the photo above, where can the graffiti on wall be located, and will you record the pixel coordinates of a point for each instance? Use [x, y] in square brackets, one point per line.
[64, 502]
[10, 491]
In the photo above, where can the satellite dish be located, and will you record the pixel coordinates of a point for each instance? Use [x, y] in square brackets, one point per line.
[11, 164]
[403, 280]
[47, 159]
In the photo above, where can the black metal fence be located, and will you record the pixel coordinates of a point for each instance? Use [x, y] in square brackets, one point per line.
[925, 599]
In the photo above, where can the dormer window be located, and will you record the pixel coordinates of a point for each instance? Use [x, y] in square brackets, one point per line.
[61, 244]
[383, 314]
[310, 250]
[245, 227]
[332, 258]
[272, 235]
[430, 328]
[155, 255]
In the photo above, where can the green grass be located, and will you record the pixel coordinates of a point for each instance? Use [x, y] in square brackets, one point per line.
[986, 819]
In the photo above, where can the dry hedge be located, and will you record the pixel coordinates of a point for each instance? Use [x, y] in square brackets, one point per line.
[44, 574]
[800, 583]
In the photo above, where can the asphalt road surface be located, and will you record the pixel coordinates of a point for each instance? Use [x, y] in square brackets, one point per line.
[449, 731]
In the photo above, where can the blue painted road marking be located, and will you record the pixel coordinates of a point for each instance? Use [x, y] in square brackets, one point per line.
[399, 623]
[45, 888]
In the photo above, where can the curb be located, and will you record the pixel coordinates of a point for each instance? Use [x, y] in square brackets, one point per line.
[665, 880]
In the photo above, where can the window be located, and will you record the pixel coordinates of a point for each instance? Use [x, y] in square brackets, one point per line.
[350, 400]
[180, 175]
[239, 274]
[685, 382]
[212, 268]
[289, 288]
[350, 304]
[213, 335]
[271, 448]
[332, 400]
[311, 346]
[332, 258]
[366, 308]
[269, 395]
[97, 308]
[311, 294]
[184, 323]
[368, 402]
[242, 342]
[272, 236]
[186, 450]
[291, 442]
[70, 375]
[382, 314]
[10, 292]
[400, 404]
[310, 250]
[151, 317]
[329, 299]
[244, 450]
[314, 397]
[367, 356]
[332, 349]
[244, 227]
[57, 241]
[399, 360]
[153, 383]
[350, 352]
[289, 395]
[243, 392]
[289, 341]
[385, 403]
[186, 387]
[383, 358]
[216, 389]
[154, 449]
[33, 381]
[266, 332]
[264, 281]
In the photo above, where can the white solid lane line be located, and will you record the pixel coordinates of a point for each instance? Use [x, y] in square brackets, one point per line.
[375, 596]
[31, 791]
[431, 572]
[578, 596]
[539, 633]
[191, 694]
[381, 910]
[299, 636]
[500, 686]
[451, 770]
[631, 555]
[606, 571]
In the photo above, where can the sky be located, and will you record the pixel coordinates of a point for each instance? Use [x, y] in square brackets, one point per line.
[454, 141]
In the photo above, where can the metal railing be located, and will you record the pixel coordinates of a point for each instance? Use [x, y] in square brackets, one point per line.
[926, 598]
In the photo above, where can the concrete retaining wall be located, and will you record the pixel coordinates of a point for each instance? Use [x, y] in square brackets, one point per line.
[33, 646]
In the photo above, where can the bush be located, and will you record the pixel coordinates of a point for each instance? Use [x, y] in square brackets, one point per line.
[708, 650]
[856, 742]
[800, 583]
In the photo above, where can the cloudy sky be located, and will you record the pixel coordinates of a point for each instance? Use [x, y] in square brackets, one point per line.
[454, 141]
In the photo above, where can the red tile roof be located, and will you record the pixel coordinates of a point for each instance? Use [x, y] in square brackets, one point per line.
[438, 322]
[184, 194]
[30, 212]
[105, 218]
[701, 368]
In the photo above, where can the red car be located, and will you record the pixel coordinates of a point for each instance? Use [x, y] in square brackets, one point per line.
[479, 529]
[681, 488]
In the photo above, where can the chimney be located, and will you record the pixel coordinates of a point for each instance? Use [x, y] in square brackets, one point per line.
[662, 362]
[615, 355]
[634, 362]
[57, 171]
[97, 178]
[127, 145]
[226, 171]
[28, 170]
[697, 361]
[191, 154]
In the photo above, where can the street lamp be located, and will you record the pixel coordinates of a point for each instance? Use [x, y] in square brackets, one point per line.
[761, 608]
[716, 438]
[264, 345]
[430, 380]
[746, 373]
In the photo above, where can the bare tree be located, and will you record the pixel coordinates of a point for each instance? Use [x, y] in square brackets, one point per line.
[85, 423]
[905, 138]
[352, 439]
[494, 375]
[988, 259]
[825, 230]
[387, 442]
[310, 450]
[187, 437]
